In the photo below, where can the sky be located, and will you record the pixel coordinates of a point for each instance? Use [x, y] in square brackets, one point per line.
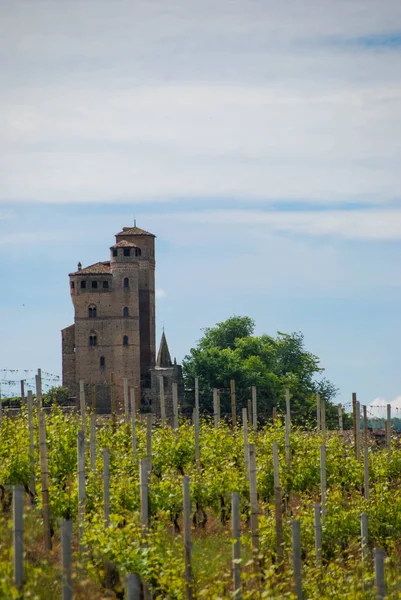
[259, 141]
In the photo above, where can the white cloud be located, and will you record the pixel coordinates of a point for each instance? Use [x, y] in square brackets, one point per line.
[348, 224]
[160, 294]
[104, 102]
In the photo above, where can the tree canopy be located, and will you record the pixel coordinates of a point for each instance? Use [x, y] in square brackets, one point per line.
[229, 350]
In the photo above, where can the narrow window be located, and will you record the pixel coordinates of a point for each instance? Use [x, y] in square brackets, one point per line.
[72, 284]
[74, 349]
[125, 340]
[115, 252]
[92, 312]
[92, 340]
[126, 282]
[125, 311]
[94, 285]
[105, 285]
[138, 251]
[102, 361]
[127, 251]
[83, 284]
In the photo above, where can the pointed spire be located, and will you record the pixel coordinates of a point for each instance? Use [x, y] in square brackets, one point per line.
[163, 357]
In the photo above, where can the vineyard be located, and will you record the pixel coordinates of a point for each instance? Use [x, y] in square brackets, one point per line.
[195, 509]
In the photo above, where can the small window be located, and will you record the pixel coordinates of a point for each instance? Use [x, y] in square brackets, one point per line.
[83, 284]
[115, 252]
[105, 285]
[92, 340]
[125, 340]
[72, 284]
[138, 252]
[126, 282]
[125, 311]
[127, 251]
[94, 285]
[92, 312]
[102, 361]
[74, 348]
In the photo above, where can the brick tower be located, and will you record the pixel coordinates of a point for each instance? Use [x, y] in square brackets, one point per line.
[114, 325]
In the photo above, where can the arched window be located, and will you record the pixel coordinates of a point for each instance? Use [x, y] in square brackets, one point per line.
[125, 340]
[126, 282]
[102, 362]
[92, 312]
[93, 340]
[125, 311]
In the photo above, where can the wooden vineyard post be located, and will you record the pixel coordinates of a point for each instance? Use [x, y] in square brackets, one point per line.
[388, 428]
[379, 573]
[38, 380]
[218, 408]
[354, 419]
[94, 398]
[323, 418]
[364, 536]
[366, 472]
[318, 413]
[32, 486]
[287, 427]
[144, 491]
[274, 414]
[233, 403]
[197, 395]
[149, 440]
[92, 441]
[365, 425]
[162, 401]
[82, 403]
[358, 430]
[1, 408]
[254, 408]
[253, 497]
[44, 481]
[81, 487]
[106, 487]
[278, 510]
[246, 444]
[66, 559]
[340, 420]
[323, 479]
[215, 408]
[126, 399]
[275, 465]
[187, 539]
[133, 587]
[296, 557]
[113, 401]
[196, 436]
[250, 412]
[175, 405]
[133, 423]
[318, 535]
[22, 392]
[18, 535]
[236, 534]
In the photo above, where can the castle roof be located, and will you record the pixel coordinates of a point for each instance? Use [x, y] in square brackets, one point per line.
[99, 268]
[124, 244]
[134, 231]
[163, 357]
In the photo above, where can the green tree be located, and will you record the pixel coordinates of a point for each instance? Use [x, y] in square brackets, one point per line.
[231, 351]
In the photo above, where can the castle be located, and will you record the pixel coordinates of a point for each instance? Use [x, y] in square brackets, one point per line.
[114, 326]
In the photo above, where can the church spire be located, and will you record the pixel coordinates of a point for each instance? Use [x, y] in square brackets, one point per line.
[163, 357]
